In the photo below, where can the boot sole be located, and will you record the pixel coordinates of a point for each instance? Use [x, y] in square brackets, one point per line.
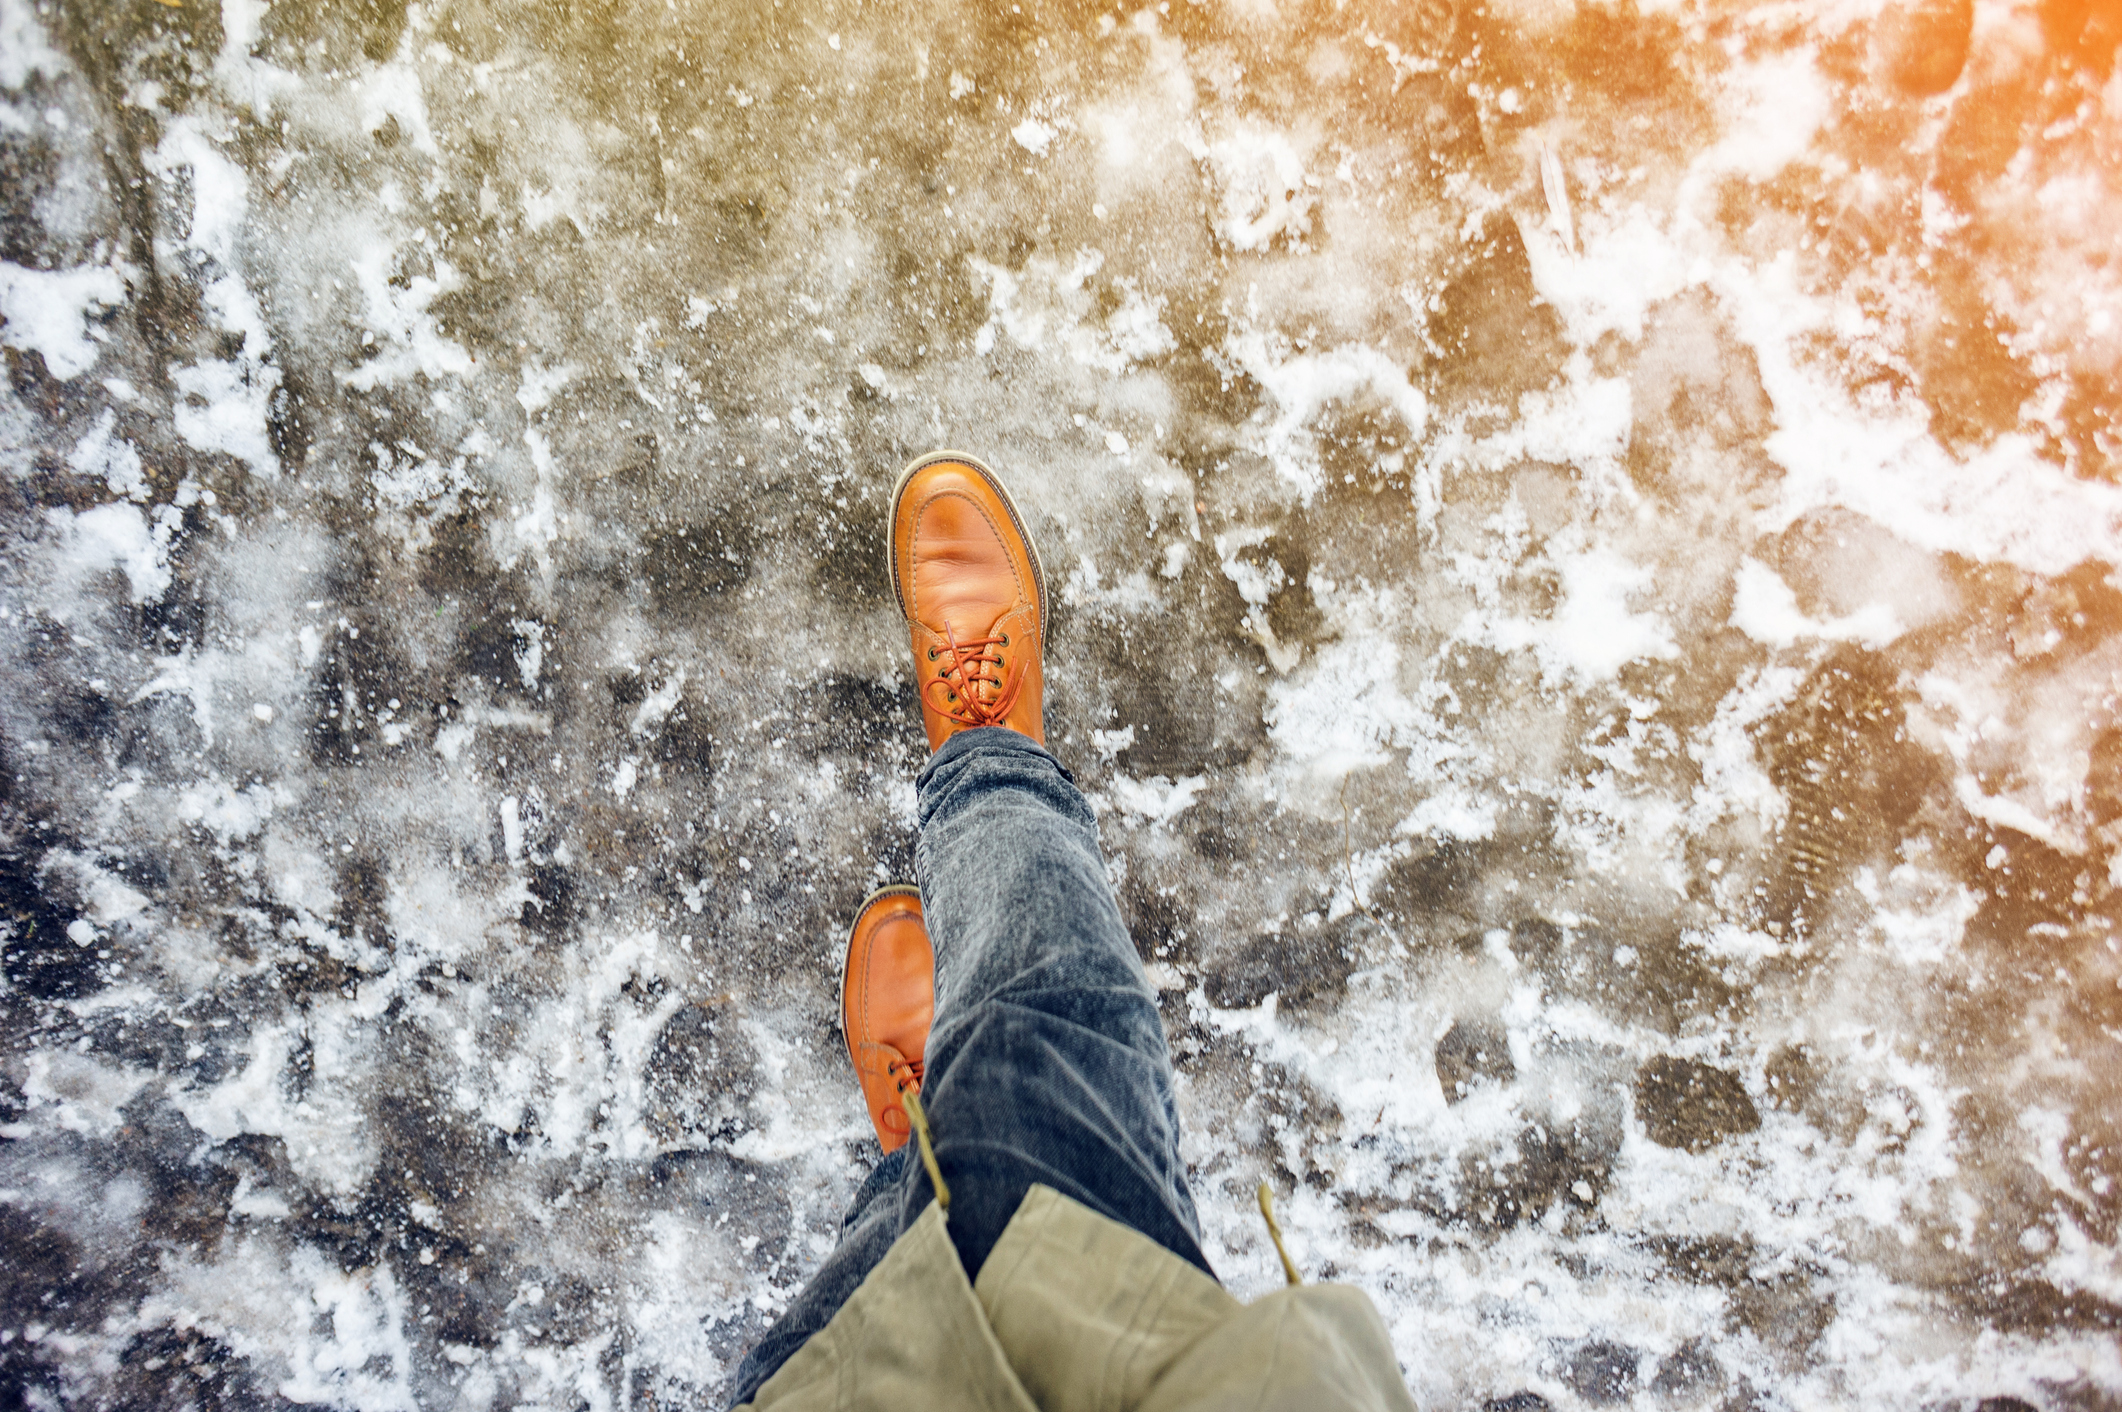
[1016, 519]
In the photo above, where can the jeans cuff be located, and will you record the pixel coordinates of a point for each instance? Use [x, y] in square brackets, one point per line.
[994, 740]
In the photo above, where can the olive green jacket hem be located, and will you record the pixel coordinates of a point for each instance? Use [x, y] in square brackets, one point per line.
[1077, 1313]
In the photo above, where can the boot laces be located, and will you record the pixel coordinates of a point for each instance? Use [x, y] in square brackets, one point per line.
[973, 689]
[905, 1076]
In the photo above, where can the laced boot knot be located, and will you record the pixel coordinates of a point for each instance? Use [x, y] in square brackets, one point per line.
[969, 687]
[905, 1075]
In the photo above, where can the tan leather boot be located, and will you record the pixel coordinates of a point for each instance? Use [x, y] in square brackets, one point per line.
[974, 596]
[887, 1002]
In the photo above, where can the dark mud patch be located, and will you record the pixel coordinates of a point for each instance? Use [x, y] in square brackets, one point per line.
[1690, 1105]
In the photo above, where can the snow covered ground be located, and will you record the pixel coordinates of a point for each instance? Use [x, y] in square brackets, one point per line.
[1585, 543]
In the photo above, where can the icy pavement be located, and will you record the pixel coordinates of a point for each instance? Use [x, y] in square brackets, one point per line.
[1585, 550]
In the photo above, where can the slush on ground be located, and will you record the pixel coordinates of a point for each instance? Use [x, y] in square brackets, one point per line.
[1584, 544]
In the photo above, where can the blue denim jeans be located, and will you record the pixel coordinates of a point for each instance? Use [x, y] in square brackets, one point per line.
[1047, 1061]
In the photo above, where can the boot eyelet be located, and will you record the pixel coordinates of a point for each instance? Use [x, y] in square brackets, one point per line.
[931, 654]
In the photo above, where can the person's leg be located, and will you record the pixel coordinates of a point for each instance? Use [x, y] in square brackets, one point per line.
[871, 1225]
[887, 1005]
[1046, 1059]
[1047, 1062]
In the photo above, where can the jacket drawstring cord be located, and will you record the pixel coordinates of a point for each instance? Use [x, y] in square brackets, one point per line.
[910, 1099]
[1274, 1232]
